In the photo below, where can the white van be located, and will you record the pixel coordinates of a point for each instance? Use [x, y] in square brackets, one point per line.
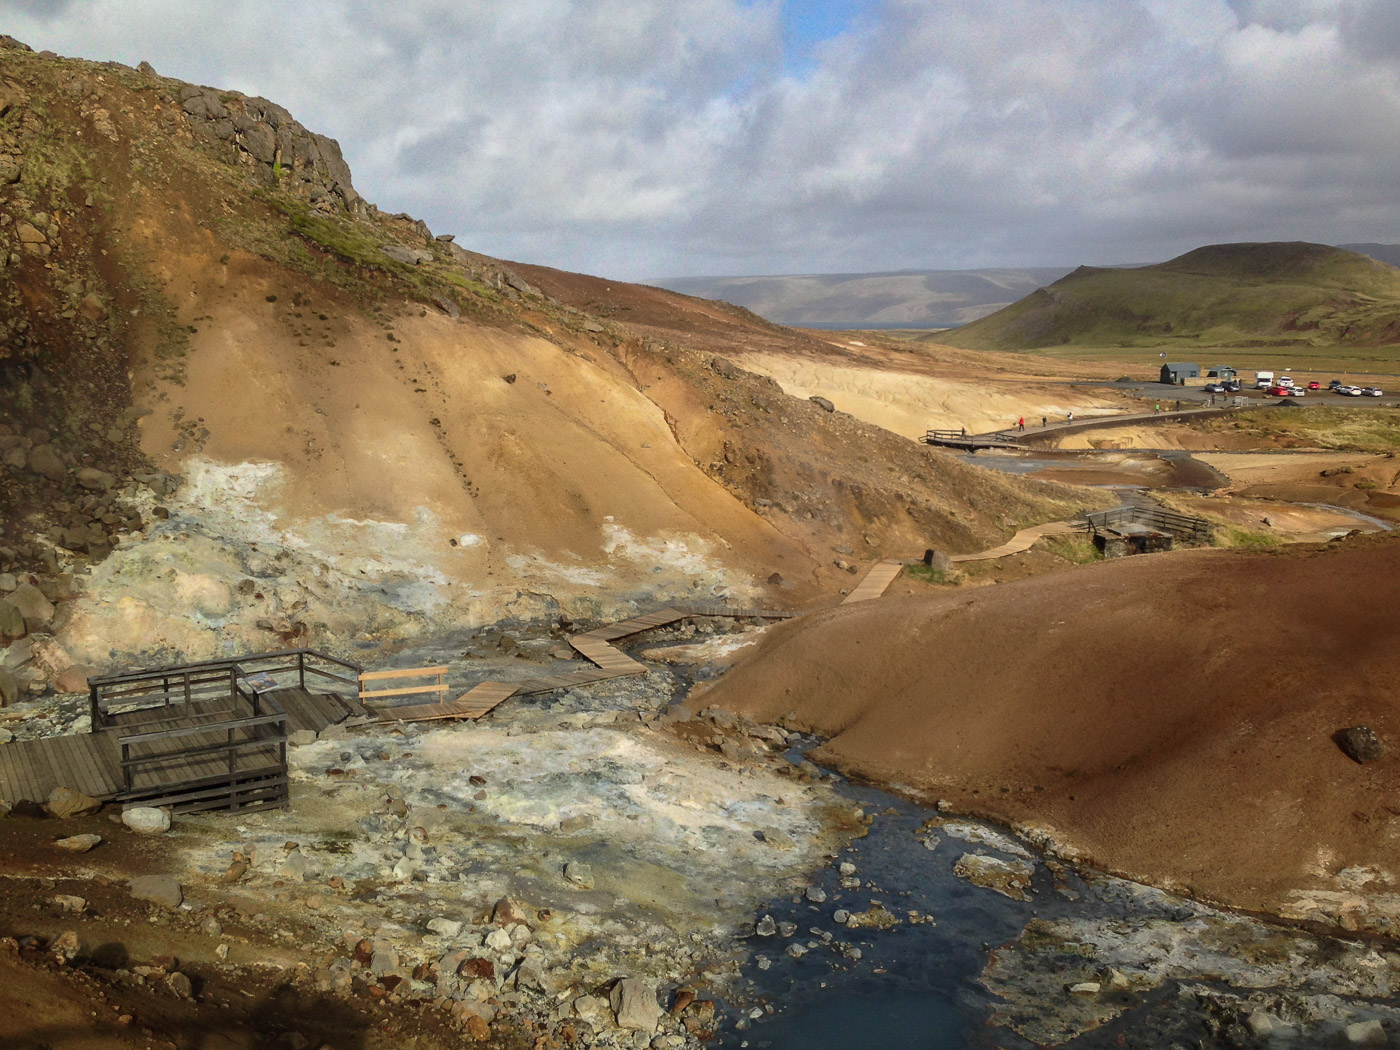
[1263, 380]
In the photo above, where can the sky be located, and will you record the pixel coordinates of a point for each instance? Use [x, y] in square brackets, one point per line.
[649, 138]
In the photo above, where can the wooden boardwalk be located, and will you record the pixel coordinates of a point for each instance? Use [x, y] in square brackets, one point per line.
[883, 573]
[91, 762]
[595, 646]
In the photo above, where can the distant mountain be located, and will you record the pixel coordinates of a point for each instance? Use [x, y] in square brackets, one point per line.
[1386, 253]
[900, 299]
[1220, 295]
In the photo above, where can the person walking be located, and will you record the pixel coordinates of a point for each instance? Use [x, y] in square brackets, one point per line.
[1021, 424]
[1044, 422]
[1070, 419]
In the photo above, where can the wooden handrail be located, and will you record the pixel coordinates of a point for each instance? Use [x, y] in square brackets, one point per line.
[403, 672]
[208, 727]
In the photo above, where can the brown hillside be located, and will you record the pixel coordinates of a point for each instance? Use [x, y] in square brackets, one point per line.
[200, 306]
[1172, 715]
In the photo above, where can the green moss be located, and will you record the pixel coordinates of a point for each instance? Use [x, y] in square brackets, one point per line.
[1080, 550]
[928, 573]
[1248, 539]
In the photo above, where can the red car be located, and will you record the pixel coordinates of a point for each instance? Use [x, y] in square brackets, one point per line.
[1314, 385]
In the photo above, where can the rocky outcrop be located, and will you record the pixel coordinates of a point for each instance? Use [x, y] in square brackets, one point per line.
[268, 139]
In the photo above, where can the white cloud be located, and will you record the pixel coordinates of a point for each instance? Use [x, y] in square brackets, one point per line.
[636, 137]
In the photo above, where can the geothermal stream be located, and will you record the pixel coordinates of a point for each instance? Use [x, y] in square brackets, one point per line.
[908, 927]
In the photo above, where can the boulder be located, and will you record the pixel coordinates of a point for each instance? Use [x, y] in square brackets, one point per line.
[28, 234]
[1360, 743]
[507, 912]
[1366, 1033]
[822, 403]
[938, 560]
[94, 309]
[74, 679]
[580, 874]
[44, 460]
[11, 621]
[64, 802]
[146, 820]
[9, 688]
[78, 843]
[411, 256]
[164, 890]
[1011, 878]
[634, 1004]
[94, 480]
[37, 610]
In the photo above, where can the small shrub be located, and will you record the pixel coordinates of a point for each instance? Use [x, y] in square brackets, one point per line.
[928, 573]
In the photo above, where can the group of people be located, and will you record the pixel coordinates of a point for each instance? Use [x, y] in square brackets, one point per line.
[1044, 422]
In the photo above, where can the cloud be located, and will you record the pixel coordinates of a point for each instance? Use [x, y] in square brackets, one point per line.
[645, 137]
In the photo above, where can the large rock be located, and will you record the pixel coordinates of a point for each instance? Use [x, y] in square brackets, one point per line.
[158, 889]
[33, 606]
[146, 820]
[634, 1004]
[9, 688]
[78, 843]
[11, 621]
[412, 256]
[94, 480]
[44, 460]
[1360, 743]
[64, 802]
[822, 403]
[74, 679]
[1011, 878]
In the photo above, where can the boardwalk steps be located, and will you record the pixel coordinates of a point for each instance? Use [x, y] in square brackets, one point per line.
[595, 646]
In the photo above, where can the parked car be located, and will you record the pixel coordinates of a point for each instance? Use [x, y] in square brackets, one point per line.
[1349, 391]
[1214, 388]
[1285, 381]
[1335, 384]
[1372, 391]
[1314, 385]
[1232, 387]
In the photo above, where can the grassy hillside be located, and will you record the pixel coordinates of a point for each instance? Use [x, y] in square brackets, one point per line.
[1225, 295]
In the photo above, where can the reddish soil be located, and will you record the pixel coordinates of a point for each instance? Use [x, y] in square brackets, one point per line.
[112, 995]
[1172, 715]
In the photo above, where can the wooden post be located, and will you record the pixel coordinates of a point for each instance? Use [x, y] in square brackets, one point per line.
[301, 669]
[95, 712]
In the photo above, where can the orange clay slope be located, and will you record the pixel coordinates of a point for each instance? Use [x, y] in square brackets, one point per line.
[1171, 716]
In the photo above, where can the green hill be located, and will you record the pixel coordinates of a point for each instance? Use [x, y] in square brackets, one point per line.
[1282, 294]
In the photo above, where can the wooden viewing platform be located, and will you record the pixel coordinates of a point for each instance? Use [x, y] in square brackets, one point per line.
[211, 735]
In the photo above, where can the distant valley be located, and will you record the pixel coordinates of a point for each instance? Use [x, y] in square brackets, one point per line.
[900, 299]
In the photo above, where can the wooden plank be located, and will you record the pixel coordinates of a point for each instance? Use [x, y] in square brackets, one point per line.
[441, 687]
[11, 783]
[68, 763]
[875, 582]
[407, 672]
[36, 787]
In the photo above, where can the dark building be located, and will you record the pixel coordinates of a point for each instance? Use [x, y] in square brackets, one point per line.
[1177, 374]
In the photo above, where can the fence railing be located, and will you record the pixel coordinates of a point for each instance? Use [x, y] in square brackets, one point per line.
[158, 689]
[937, 437]
[374, 677]
[1153, 517]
